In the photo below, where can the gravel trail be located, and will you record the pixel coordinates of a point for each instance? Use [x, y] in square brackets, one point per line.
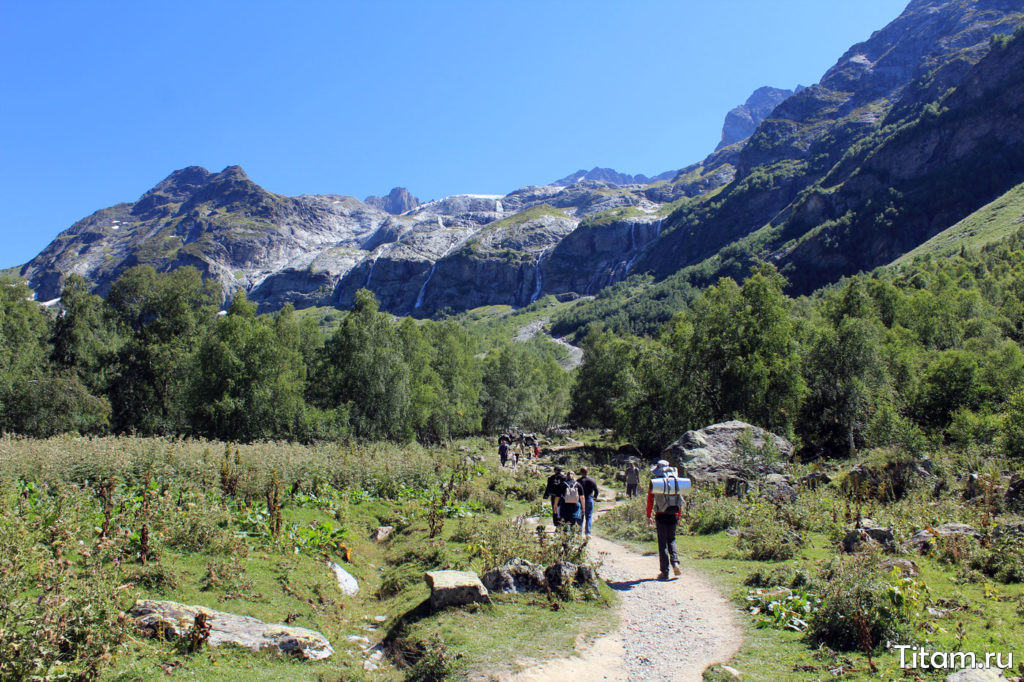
[668, 630]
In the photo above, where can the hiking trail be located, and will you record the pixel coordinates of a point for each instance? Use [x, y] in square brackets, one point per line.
[668, 631]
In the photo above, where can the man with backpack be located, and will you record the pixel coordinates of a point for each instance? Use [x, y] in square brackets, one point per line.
[632, 480]
[554, 486]
[589, 487]
[665, 499]
[570, 499]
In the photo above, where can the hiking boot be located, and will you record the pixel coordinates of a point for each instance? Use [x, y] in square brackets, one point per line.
[675, 569]
[663, 576]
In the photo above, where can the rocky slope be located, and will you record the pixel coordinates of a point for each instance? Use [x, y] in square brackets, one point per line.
[909, 132]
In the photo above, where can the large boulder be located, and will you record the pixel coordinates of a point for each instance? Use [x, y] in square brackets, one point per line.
[714, 453]
[778, 488]
[924, 539]
[170, 619]
[516, 575]
[346, 582]
[455, 588]
[867, 533]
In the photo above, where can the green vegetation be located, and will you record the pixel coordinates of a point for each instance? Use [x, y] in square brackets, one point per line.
[92, 525]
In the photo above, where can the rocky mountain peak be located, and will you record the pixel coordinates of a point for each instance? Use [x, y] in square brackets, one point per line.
[398, 201]
[741, 122]
[609, 176]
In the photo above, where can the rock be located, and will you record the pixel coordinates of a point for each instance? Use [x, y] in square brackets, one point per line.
[904, 566]
[971, 487]
[561, 574]
[629, 450]
[936, 613]
[923, 539]
[586, 575]
[868, 533]
[346, 583]
[516, 575]
[731, 671]
[620, 476]
[741, 122]
[1014, 497]
[1013, 529]
[171, 619]
[455, 588]
[778, 488]
[380, 619]
[976, 675]
[736, 486]
[398, 201]
[814, 479]
[712, 454]
[463, 448]
[382, 533]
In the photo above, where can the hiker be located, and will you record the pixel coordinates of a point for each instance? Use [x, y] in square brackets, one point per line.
[589, 487]
[658, 470]
[502, 450]
[665, 499]
[632, 479]
[569, 502]
[554, 485]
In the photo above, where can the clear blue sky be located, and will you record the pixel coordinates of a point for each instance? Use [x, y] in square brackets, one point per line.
[101, 100]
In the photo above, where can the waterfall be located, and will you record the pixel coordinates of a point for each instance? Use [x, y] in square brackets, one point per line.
[433, 266]
[657, 234]
[373, 264]
[536, 289]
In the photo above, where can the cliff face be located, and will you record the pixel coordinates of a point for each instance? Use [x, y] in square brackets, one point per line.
[785, 174]
[741, 122]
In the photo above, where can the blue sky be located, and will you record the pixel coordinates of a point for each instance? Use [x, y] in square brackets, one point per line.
[101, 100]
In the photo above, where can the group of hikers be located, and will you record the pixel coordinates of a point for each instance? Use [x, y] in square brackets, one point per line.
[513, 447]
[572, 504]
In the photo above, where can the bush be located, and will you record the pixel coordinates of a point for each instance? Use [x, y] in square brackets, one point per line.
[779, 576]
[715, 515]
[628, 521]
[1003, 560]
[768, 539]
[863, 606]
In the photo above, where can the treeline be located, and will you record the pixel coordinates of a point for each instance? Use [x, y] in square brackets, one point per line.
[906, 357]
[156, 358]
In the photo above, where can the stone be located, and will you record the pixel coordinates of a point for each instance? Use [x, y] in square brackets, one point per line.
[905, 567]
[562, 574]
[712, 454]
[778, 488]
[171, 619]
[971, 487]
[868, 533]
[382, 533]
[346, 583]
[731, 671]
[516, 575]
[814, 479]
[455, 588]
[924, 539]
[976, 675]
[620, 476]
[736, 486]
[1014, 497]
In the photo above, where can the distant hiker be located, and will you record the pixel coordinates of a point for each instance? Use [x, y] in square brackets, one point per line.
[632, 479]
[665, 499]
[536, 450]
[589, 487]
[554, 486]
[570, 500]
[502, 450]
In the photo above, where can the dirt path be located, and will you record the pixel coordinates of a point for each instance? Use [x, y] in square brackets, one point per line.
[575, 358]
[668, 631]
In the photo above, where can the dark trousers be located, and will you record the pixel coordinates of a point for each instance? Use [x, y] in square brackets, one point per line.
[631, 489]
[666, 525]
[554, 512]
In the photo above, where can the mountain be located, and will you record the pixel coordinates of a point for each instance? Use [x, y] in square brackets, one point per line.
[611, 177]
[741, 122]
[908, 133]
[398, 201]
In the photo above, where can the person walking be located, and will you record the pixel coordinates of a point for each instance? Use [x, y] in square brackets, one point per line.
[665, 500]
[590, 491]
[570, 499]
[632, 479]
[551, 491]
[502, 450]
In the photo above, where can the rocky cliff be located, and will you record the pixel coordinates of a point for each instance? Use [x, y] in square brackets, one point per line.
[741, 122]
[398, 201]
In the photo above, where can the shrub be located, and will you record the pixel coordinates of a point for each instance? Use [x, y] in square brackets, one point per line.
[778, 576]
[1003, 560]
[715, 515]
[628, 521]
[863, 606]
[768, 539]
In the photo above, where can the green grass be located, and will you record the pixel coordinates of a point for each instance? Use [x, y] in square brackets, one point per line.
[491, 326]
[992, 222]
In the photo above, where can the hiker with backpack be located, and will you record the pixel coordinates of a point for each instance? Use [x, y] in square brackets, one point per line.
[502, 450]
[589, 487]
[632, 480]
[665, 500]
[570, 501]
[551, 491]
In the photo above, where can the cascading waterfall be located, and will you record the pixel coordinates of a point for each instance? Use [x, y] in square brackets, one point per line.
[373, 264]
[536, 289]
[433, 267]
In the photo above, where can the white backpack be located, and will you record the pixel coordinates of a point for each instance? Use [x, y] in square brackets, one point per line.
[668, 493]
[572, 493]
